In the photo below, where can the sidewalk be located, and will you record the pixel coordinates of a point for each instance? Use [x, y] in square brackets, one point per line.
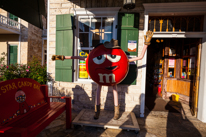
[155, 124]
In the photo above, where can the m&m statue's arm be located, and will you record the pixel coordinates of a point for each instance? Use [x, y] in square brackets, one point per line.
[62, 57]
[147, 38]
[75, 57]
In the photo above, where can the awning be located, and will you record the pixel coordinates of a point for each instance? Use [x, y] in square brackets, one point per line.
[28, 10]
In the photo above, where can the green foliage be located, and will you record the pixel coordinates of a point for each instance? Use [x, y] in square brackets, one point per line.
[33, 70]
[2, 59]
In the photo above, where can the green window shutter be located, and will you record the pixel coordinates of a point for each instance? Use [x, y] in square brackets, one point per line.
[64, 46]
[128, 29]
[12, 54]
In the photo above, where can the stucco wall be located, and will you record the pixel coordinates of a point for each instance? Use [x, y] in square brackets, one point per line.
[3, 49]
[3, 12]
[81, 93]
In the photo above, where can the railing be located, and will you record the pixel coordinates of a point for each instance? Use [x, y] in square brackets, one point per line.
[9, 22]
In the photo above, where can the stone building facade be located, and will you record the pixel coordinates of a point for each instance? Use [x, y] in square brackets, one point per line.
[83, 93]
[26, 37]
[131, 97]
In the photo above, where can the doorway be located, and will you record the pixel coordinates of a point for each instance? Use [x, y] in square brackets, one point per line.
[173, 68]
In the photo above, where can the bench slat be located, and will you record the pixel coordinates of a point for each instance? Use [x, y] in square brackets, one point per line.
[46, 117]
[37, 115]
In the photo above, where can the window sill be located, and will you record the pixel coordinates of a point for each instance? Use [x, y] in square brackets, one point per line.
[85, 82]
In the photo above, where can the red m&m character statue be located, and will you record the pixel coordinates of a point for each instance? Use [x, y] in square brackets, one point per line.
[107, 64]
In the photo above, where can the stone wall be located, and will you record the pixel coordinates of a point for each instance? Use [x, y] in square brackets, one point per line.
[3, 52]
[83, 96]
[81, 93]
[34, 42]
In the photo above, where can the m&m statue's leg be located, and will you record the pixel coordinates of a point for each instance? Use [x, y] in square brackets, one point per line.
[116, 104]
[97, 102]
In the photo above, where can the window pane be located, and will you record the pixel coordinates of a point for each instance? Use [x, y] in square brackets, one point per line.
[107, 24]
[84, 39]
[96, 39]
[96, 24]
[83, 53]
[82, 65]
[13, 17]
[84, 25]
[106, 37]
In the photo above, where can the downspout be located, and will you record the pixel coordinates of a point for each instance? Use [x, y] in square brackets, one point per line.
[48, 26]
[144, 62]
[50, 83]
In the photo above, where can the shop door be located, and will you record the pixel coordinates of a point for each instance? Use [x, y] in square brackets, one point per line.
[195, 84]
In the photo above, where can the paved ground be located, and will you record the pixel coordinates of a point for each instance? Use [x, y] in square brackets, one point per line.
[155, 124]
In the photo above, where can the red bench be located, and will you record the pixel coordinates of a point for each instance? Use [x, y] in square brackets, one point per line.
[25, 108]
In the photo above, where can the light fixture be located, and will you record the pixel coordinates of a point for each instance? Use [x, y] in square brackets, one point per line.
[129, 4]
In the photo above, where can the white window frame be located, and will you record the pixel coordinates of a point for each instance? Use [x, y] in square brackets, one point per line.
[91, 13]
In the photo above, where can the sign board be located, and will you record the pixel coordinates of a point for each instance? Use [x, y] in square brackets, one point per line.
[132, 45]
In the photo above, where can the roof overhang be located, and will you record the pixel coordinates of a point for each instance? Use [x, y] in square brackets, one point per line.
[175, 8]
[28, 10]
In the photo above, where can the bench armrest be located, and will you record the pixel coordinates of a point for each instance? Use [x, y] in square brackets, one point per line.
[13, 131]
[68, 109]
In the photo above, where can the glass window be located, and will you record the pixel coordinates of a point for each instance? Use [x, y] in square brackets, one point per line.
[92, 31]
[13, 17]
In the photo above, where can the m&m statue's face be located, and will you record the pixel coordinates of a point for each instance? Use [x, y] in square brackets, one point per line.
[107, 66]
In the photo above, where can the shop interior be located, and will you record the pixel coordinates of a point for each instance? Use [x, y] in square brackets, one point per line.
[172, 65]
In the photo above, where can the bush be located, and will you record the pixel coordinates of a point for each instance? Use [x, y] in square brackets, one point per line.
[33, 70]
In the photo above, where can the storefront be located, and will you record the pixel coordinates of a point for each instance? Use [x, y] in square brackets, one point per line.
[179, 34]
[172, 67]
[75, 32]
[179, 44]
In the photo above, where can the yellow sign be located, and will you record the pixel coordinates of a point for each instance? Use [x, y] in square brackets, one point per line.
[83, 54]
[82, 69]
